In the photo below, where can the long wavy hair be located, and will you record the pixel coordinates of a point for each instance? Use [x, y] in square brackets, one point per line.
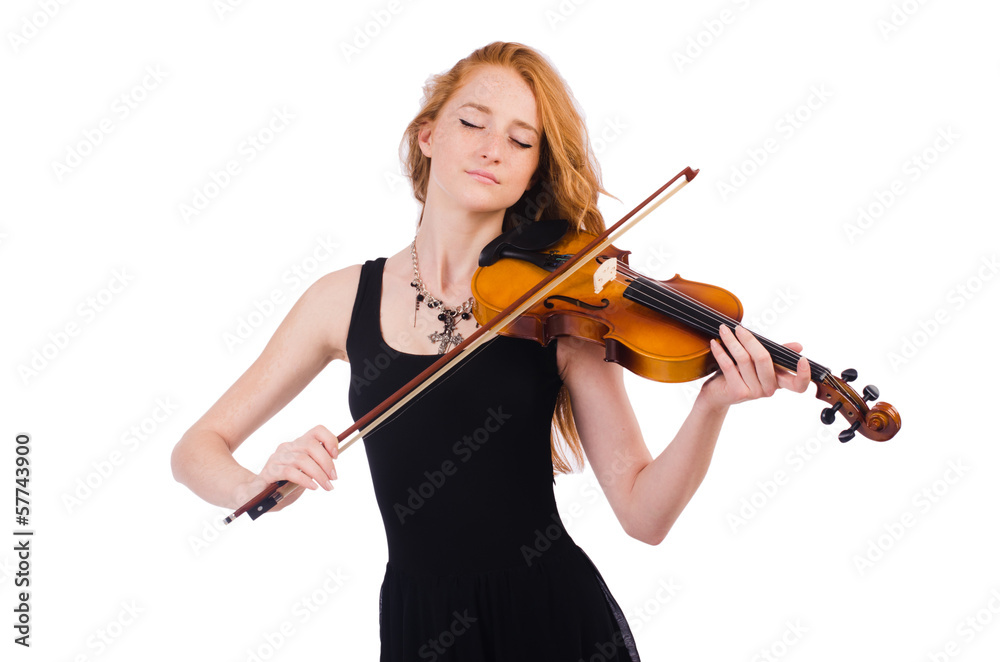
[568, 176]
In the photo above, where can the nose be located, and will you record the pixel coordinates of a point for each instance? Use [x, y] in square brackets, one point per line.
[490, 145]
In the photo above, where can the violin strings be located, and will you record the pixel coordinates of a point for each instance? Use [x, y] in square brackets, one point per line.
[782, 355]
[701, 317]
[699, 307]
[694, 306]
[709, 320]
[818, 372]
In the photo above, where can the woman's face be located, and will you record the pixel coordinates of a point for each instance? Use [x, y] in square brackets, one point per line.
[484, 144]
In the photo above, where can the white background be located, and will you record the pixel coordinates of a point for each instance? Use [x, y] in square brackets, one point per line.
[864, 551]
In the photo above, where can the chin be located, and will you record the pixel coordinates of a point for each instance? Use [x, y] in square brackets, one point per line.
[480, 199]
[481, 205]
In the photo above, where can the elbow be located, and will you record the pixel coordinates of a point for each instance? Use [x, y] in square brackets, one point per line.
[655, 540]
[176, 465]
[652, 538]
[179, 461]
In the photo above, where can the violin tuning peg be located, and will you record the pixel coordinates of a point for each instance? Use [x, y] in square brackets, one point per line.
[848, 434]
[870, 393]
[849, 375]
[829, 414]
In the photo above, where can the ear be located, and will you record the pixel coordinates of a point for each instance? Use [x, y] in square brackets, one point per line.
[424, 138]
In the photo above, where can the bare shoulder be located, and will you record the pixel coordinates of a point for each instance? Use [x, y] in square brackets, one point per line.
[329, 302]
[313, 333]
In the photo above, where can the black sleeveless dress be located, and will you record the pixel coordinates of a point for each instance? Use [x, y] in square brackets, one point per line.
[480, 567]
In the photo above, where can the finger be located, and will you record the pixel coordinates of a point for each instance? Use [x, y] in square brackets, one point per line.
[281, 466]
[323, 451]
[321, 458]
[299, 461]
[313, 460]
[803, 375]
[734, 382]
[310, 467]
[290, 473]
[761, 360]
[797, 381]
[327, 438]
[747, 371]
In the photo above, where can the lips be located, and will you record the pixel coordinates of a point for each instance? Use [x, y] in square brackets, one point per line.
[483, 176]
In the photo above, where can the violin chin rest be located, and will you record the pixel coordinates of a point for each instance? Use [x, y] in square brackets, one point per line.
[530, 236]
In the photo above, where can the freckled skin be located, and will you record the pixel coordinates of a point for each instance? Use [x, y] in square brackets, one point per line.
[455, 148]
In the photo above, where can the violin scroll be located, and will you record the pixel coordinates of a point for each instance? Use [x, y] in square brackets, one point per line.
[880, 422]
[656, 329]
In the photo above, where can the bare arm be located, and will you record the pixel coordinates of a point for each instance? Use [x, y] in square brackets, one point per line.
[649, 495]
[312, 334]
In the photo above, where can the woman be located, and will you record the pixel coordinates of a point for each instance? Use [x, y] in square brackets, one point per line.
[480, 566]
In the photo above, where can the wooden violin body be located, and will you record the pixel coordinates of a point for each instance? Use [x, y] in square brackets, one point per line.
[538, 281]
[635, 336]
[657, 329]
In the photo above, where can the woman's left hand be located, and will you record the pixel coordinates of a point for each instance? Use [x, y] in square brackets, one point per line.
[753, 374]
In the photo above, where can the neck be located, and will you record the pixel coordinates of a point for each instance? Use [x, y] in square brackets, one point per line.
[448, 247]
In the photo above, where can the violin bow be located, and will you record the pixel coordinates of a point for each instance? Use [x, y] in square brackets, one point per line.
[275, 492]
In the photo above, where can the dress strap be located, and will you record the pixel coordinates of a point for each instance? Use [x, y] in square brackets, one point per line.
[364, 333]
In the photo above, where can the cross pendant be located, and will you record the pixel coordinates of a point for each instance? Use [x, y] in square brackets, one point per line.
[446, 337]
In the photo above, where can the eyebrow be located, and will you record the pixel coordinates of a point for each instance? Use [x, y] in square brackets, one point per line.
[486, 109]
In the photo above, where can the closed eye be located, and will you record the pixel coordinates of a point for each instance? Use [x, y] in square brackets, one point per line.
[473, 126]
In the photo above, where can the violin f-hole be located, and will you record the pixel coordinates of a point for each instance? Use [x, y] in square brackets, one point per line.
[576, 302]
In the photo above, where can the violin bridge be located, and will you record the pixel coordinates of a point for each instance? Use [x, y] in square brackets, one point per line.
[605, 274]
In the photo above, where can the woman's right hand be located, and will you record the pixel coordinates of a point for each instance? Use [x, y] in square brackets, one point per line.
[307, 461]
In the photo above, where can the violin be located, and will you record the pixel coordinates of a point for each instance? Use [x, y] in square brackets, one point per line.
[659, 330]
[582, 286]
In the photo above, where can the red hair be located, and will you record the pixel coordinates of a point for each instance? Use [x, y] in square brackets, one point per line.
[568, 176]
